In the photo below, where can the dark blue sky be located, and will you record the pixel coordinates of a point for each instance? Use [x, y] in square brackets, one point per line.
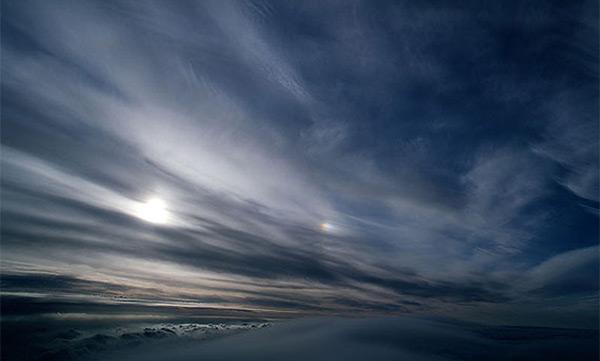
[334, 157]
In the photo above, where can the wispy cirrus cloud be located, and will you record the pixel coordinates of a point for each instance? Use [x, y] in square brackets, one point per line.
[416, 133]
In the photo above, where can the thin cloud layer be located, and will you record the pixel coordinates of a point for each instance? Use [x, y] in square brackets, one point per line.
[451, 150]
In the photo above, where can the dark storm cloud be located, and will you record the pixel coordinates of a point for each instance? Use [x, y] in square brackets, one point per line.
[450, 149]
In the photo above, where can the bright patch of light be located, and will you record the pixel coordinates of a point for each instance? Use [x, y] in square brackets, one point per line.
[326, 227]
[153, 211]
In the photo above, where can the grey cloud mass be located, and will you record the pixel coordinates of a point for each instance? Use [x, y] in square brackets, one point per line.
[314, 158]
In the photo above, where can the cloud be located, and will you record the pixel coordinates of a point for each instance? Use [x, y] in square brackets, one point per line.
[429, 137]
[569, 141]
[570, 272]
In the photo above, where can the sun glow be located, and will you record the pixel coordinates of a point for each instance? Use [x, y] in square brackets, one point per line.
[154, 211]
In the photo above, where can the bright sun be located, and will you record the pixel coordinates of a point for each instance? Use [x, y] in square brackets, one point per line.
[154, 211]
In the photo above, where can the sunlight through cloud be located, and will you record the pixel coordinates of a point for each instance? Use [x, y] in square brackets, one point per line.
[153, 210]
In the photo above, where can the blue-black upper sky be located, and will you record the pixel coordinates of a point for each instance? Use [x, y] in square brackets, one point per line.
[306, 157]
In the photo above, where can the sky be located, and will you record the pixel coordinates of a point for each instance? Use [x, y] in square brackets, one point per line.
[307, 158]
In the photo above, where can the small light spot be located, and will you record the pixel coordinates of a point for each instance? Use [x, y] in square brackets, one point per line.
[326, 227]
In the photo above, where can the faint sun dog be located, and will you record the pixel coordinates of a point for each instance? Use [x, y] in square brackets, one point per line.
[326, 227]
